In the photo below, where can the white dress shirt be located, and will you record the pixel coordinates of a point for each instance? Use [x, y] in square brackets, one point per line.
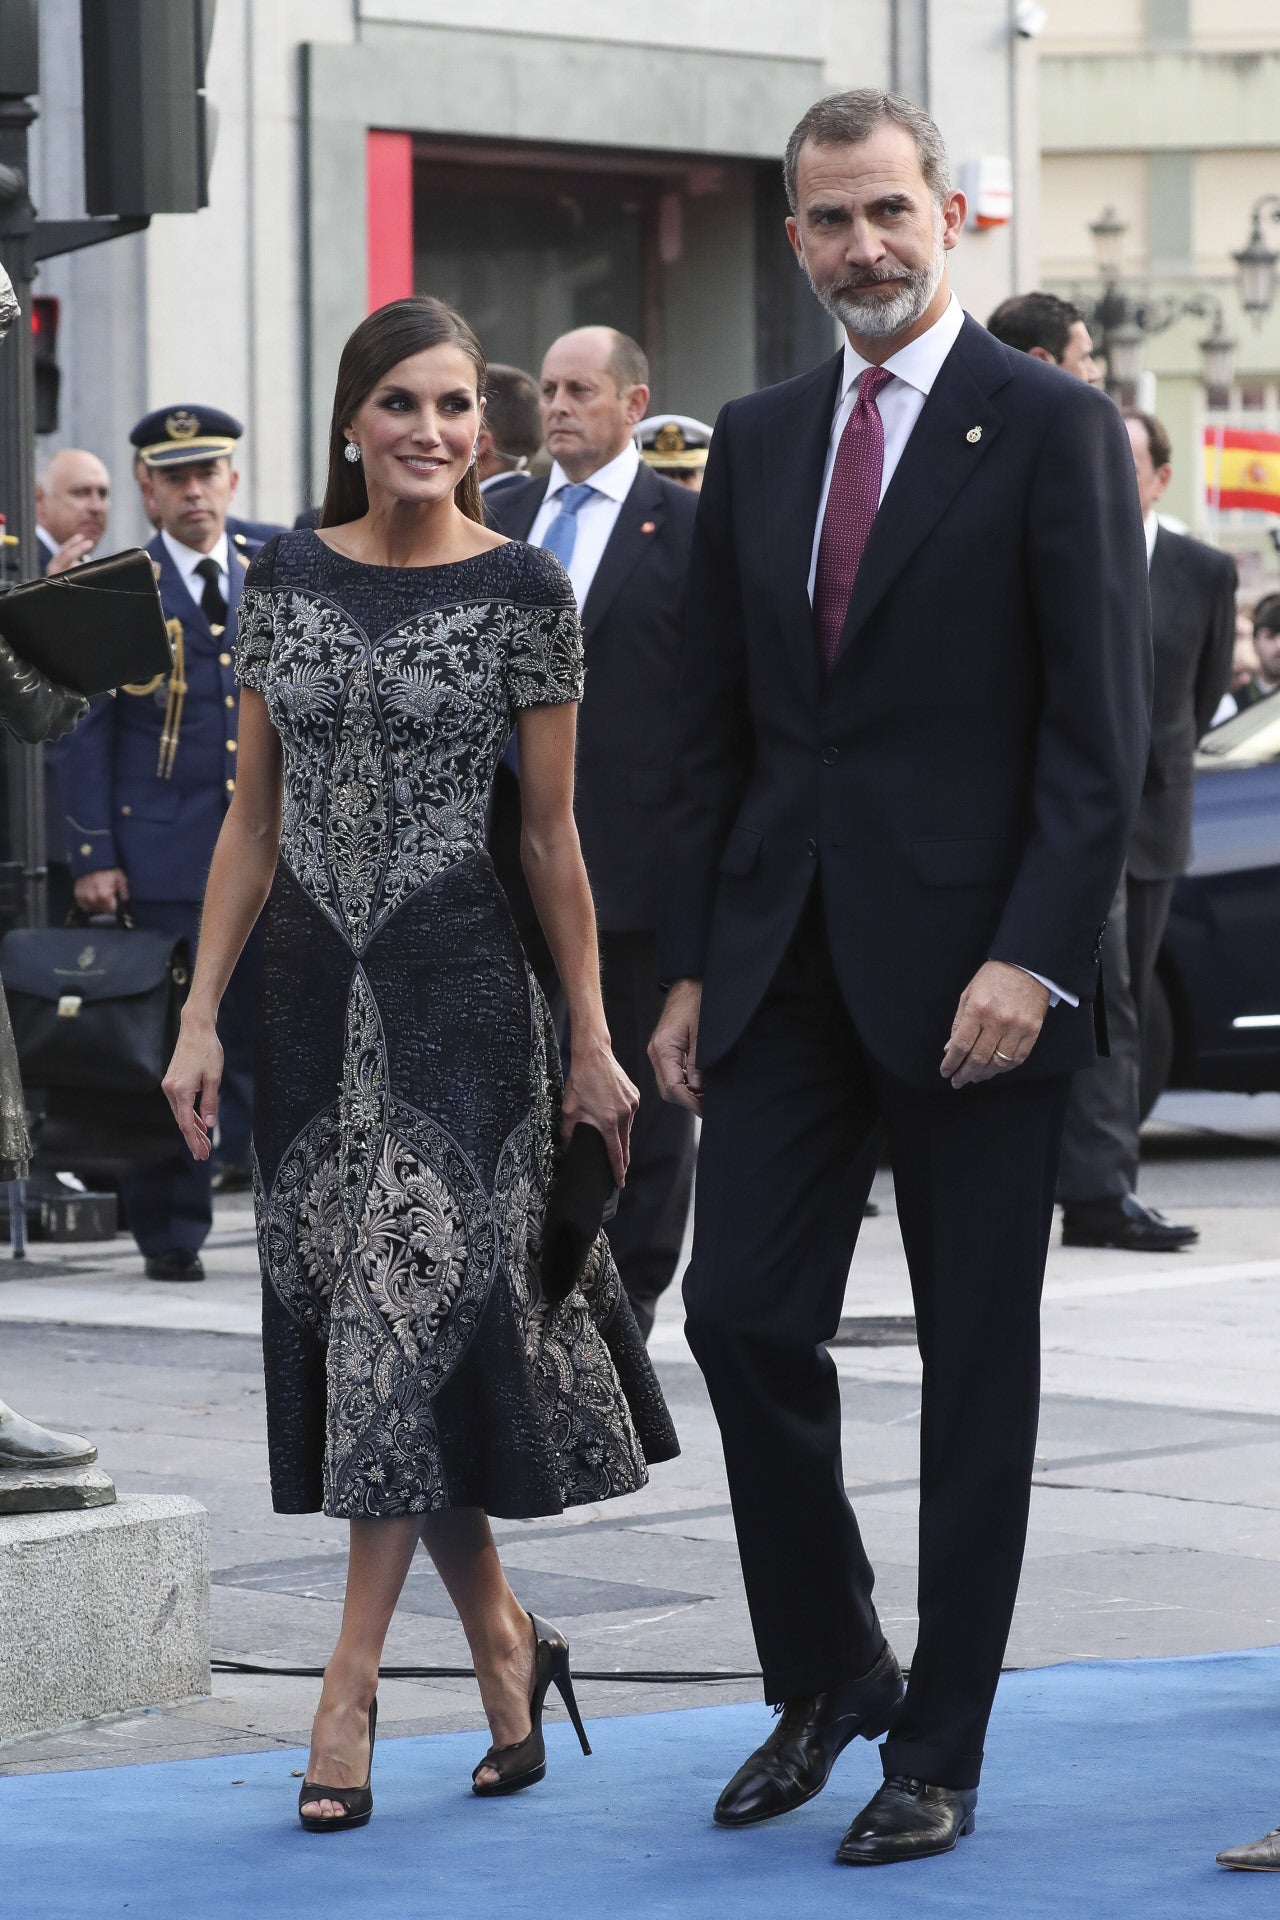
[597, 517]
[1151, 527]
[186, 560]
[900, 403]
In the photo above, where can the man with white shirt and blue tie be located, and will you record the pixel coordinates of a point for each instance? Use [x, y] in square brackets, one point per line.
[884, 896]
[623, 534]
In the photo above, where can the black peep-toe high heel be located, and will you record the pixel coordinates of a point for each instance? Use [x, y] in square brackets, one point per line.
[525, 1763]
[356, 1802]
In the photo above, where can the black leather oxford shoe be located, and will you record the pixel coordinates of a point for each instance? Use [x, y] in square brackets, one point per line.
[176, 1265]
[1259, 1856]
[908, 1820]
[795, 1762]
[1123, 1223]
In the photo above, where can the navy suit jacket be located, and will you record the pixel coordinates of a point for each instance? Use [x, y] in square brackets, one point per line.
[1193, 631]
[965, 779]
[120, 810]
[633, 637]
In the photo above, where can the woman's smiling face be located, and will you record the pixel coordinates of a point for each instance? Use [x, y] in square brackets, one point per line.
[417, 430]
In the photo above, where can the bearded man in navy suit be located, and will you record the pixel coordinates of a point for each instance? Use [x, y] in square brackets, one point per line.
[885, 895]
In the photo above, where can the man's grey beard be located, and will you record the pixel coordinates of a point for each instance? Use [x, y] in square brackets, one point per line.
[880, 316]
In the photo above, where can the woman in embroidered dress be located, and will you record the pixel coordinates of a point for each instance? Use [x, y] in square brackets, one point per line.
[408, 1100]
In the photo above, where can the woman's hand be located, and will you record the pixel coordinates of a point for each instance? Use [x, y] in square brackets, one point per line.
[599, 1093]
[192, 1082]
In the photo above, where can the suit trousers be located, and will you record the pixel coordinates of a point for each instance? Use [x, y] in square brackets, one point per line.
[1100, 1149]
[783, 1174]
[168, 1204]
[647, 1231]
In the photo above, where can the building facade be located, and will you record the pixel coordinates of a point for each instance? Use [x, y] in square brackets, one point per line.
[538, 163]
[1169, 111]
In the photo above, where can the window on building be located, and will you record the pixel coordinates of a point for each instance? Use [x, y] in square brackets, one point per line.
[685, 253]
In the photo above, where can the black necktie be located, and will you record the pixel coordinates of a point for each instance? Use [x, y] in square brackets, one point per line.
[211, 600]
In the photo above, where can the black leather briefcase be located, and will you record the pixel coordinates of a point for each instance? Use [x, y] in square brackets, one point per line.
[94, 1009]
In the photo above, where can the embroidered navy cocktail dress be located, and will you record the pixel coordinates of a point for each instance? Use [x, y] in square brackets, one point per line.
[407, 1076]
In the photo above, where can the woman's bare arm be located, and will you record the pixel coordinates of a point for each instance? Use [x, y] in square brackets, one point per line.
[597, 1091]
[244, 862]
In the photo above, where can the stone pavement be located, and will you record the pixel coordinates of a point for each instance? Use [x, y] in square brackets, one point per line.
[1155, 1524]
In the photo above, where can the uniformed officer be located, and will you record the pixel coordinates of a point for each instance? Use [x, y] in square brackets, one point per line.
[675, 445]
[148, 777]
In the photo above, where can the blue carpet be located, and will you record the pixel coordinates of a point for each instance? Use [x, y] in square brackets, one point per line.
[1107, 1792]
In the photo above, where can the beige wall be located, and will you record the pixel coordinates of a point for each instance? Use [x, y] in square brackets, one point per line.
[1236, 25]
[1089, 26]
[1075, 189]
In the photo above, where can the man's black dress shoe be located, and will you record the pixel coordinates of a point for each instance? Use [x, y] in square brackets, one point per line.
[908, 1820]
[1123, 1223]
[176, 1265]
[795, 1762]
[1259, 1856]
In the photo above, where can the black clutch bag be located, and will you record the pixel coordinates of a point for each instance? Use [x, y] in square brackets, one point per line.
[583, 1196]
[96, 627]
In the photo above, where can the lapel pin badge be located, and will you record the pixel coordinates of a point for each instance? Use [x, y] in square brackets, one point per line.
[973, 436]
[649, 526]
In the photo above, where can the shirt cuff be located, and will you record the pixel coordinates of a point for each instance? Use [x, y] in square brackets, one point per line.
[1056, 993]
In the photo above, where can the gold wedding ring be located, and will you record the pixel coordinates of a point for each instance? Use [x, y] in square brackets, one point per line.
[1004, 1056]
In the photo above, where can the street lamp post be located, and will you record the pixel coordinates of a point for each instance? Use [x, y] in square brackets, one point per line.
[1256, 263]
[1122, 321]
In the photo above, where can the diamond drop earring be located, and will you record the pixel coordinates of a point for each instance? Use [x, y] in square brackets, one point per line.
[475, 454]
[351, 452]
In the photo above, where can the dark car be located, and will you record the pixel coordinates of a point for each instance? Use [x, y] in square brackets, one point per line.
[1215, 1017]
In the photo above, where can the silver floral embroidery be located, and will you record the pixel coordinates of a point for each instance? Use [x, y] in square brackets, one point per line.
[377, 1232]
[358, 815]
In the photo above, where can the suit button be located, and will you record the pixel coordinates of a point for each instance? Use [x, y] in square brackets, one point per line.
[85, 847]
[231, 746]
[224, 659]
[126, 810]
[230, 700]
[811, 849]
[231, 786]
[830, 756]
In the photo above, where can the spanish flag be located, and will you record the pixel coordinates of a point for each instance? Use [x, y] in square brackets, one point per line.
[1242, 469]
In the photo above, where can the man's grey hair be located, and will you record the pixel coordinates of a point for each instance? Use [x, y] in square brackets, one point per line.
[846, 119]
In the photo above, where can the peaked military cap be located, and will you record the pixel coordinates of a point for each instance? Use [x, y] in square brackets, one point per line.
[175, 436]
[674, 442]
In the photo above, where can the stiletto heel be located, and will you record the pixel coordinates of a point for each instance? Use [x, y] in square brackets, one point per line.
[564, 1686]
[525, 1763]
[357, 1802]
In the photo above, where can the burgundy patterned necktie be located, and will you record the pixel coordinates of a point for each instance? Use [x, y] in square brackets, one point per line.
[852, 500]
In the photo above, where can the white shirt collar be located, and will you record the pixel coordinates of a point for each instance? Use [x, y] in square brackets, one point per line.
[186, 559]
[46, 539]
[919, 363]
[615, 479]
[1151, 527]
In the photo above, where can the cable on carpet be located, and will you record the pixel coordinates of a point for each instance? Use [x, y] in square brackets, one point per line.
[642, 1677]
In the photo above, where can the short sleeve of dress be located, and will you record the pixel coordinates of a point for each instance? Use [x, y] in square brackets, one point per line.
[254, 625]
[544, 657]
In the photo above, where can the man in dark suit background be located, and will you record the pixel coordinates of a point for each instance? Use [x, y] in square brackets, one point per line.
[624, 535]
[885, 896]
[1193, 610]
[1193, 620]
[511, 431]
